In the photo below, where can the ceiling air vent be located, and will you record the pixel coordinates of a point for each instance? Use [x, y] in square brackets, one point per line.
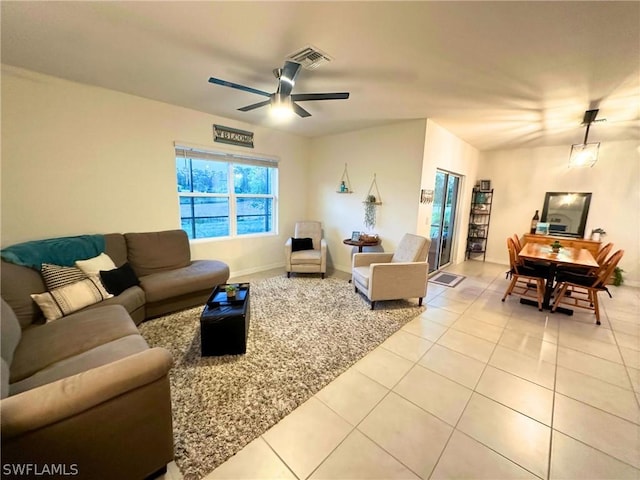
[309, 57]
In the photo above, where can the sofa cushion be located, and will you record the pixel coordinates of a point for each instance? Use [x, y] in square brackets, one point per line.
[412, 248]
[92, 266]
[116, 247]
[70, 298]
[119, 279]
[154, 252]
[44, 345]
[16, 284]
[131, 299]
[305, 257]
[10, 332]
[96, 357]
[200, 275]
[56, 276]
[4, 379]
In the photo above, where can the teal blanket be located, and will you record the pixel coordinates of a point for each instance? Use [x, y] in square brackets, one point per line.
[59, 251]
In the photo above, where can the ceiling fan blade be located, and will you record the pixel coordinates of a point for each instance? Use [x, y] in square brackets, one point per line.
[255, 105]
[288, 76]
[300, 111]
[305, 97]
[225, 83]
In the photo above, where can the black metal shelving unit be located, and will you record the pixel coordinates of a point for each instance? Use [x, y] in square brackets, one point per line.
[479, 220]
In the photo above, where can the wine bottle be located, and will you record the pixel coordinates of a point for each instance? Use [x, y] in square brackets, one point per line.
[534, 222]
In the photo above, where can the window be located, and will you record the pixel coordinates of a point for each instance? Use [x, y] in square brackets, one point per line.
[225, 195]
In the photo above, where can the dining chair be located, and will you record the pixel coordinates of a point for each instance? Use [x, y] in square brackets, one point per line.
[525, 280]
[582, 290]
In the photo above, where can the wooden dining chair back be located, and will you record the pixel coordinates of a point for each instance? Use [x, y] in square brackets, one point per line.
[525, 281]
[516, 240]
[582, 290]
[603, 252]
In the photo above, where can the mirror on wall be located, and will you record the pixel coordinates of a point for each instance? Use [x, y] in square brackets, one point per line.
[566, 213]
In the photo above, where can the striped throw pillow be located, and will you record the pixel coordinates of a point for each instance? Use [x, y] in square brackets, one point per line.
[70, 298]
[56, 276]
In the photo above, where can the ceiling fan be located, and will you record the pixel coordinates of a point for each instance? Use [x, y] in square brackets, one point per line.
[282, 97]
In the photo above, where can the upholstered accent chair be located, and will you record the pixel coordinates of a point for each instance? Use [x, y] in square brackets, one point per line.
[304, 256]
[392, 276]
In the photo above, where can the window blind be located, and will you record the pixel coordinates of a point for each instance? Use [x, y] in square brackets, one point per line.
[192, 152]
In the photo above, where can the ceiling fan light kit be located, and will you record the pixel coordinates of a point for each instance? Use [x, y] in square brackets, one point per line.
[282, 101]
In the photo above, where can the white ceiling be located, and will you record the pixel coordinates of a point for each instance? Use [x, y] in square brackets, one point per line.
[496, 74]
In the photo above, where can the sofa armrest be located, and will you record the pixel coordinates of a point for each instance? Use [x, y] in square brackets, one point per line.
[60, 400]
[367, 258]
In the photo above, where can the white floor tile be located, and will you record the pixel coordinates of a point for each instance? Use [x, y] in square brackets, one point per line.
[480, 329]
[304, 438]
[384, 366]
[515, 436]
[573, 459]
[352, 395]
[424, 328]
[453, 365]
[439, 315]
[529, 345]
[605, 396]
[255, 461]
[610, 372]
[597, 428]
[465, 458]
[407, 345]
[467, 344]
[434, 393]
[413, 436]
[521, 395]
[534, 370]
[360, 458]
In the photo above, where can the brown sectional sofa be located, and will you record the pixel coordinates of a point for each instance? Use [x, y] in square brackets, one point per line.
[85, 392]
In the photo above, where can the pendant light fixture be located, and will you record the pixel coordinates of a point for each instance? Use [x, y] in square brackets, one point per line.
[585, 154]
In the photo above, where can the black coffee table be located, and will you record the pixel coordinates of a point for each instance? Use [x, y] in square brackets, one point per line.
[224, 323]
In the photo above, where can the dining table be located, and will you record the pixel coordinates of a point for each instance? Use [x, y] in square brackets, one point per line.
[565, 257]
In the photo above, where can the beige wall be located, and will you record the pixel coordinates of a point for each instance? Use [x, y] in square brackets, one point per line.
[522, 177]
[394, 154]
[79, 159]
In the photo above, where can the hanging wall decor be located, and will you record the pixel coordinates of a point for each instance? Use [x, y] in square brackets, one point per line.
[371, 201]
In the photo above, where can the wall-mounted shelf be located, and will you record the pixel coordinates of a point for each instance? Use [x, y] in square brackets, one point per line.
[345, 183]
[373, 191]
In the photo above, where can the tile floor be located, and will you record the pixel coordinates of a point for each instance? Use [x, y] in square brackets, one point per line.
[472, 388]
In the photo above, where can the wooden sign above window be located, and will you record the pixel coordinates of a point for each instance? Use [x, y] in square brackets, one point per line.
[232, 136]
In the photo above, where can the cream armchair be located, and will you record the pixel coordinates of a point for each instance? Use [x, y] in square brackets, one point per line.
[391, 276]
[313, 258]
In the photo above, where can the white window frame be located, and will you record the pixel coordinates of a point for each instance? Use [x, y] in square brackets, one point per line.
[231, 159]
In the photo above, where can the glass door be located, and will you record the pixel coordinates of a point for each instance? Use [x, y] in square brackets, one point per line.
[443, 219]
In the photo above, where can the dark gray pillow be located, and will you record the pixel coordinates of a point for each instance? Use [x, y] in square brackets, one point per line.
[119, 279]
[301, 244]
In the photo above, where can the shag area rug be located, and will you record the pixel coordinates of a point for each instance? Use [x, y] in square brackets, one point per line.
[304, 332]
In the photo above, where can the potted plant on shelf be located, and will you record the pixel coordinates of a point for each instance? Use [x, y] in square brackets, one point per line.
[231, 290]
[555, 246]
[596, 233]
[370, 211]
